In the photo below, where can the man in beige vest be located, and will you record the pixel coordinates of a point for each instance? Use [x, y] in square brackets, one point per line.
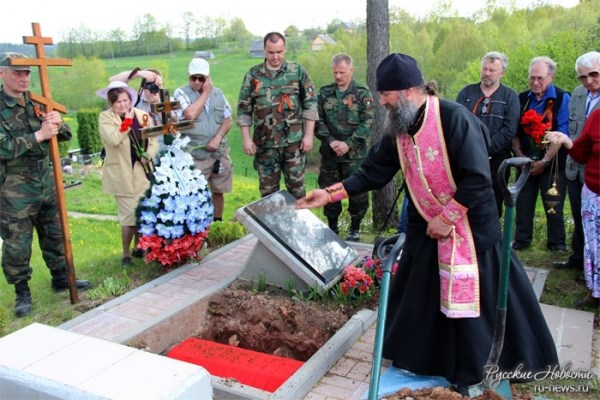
[206, 105]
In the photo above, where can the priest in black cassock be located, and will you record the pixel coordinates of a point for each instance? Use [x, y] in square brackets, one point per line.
[443, 297]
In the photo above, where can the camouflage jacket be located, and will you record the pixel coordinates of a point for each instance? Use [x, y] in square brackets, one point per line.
[19, 120]
[346, 116]
[277, 105]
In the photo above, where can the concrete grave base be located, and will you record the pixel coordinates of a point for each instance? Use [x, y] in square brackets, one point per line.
[42, 362]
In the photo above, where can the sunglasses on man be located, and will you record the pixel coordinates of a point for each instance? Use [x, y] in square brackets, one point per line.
[486, 105]
[591, 75]
[199, 78]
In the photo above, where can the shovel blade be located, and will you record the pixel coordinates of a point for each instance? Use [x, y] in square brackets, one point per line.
[502, 389]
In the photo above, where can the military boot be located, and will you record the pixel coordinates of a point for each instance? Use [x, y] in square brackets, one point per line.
[23, 300]
[59, 281]
[354, 232]
[333, 225]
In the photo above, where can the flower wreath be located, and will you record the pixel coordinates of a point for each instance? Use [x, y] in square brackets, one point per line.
[175, 213]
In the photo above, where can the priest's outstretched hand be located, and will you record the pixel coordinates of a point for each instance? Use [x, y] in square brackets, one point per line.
[315, 198]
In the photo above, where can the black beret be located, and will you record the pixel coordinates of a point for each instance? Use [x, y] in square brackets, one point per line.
[397, 72]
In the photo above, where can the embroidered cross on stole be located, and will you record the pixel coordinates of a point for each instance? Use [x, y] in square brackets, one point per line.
[426, 167]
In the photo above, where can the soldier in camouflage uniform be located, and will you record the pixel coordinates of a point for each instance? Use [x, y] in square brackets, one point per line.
[27, 191]
[345, 118]
[279, 97]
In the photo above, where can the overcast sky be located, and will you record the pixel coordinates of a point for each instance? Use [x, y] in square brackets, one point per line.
[57, 17]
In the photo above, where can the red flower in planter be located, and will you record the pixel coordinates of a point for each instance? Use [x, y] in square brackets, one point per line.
[355, 280]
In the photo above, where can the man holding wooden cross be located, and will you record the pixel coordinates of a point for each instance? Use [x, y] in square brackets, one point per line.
[27, 190]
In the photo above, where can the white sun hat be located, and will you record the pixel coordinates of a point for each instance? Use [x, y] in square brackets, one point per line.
[115, 85]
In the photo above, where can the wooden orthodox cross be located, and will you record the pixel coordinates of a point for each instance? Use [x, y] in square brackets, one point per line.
[164, 107]
[46, 99]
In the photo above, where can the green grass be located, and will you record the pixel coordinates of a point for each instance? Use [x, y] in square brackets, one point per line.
[88, 197]
[96, 248]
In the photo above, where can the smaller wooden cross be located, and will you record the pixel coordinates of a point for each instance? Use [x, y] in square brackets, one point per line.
[165, 107]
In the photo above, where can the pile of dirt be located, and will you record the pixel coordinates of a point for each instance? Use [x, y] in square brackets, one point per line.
[441, 393]
[273, 322]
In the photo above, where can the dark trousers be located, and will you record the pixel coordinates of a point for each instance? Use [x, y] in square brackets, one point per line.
[27, 202]
[525, 209]
[403, 223]
[331, 172]
[498, 195]
[574, 188]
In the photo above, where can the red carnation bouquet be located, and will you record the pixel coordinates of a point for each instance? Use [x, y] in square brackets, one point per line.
[534, 126]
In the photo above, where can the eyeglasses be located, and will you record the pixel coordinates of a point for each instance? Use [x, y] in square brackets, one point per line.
[486, 105]
[152, 87]
[593, 75]
[537, 78]
[485, 109]
[198, 78]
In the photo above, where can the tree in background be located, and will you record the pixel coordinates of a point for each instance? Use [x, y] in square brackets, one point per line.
[116, 38]
[210, 30]
[378, 39]
[237, 33]
[75, 86]
[334, 25]
[188, 26]
[291, 31]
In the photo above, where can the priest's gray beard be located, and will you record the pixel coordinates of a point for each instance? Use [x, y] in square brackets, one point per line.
[400, 117]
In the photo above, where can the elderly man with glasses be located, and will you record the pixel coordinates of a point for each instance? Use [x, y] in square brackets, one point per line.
[544, 107]
[206, 105]
[497, 106]
[585, 99]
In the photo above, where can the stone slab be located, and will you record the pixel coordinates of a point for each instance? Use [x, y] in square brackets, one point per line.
[572, 331]
[44, 362]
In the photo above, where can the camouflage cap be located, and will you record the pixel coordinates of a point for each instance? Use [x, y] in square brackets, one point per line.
[4, 61]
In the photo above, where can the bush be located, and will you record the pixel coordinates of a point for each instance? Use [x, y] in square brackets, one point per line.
[223, 232]
[87, 132]
[63, 148]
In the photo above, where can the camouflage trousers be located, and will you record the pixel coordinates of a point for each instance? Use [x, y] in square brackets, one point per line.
[28, 201]
[331, 172]
[270, 163]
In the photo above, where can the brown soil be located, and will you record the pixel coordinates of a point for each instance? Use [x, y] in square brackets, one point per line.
[440, 393]
[272, 322]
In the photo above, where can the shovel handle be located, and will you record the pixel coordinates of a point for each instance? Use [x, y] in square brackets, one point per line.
[510, 199]
[388, 265]
[510, 193]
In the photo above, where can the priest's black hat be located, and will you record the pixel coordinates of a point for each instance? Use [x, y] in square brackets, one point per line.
[397, 72]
